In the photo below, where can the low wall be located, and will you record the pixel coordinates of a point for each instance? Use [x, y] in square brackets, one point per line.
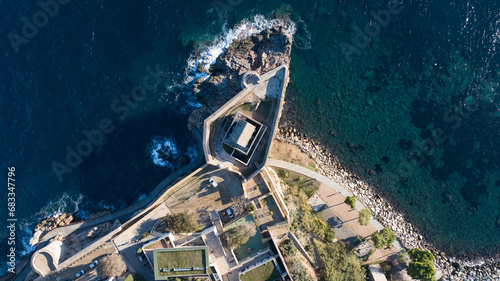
[301, 248]
[274, 190]
[89, 249]
[277, 113]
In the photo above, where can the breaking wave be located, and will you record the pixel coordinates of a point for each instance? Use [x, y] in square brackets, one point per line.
[163, 151]
[208, 54]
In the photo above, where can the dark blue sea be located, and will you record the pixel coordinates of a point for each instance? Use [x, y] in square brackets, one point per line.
[406, 94]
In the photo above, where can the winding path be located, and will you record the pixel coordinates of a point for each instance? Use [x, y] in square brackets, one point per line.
[328, 182]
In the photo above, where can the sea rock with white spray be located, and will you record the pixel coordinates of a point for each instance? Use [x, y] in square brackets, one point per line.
[259, 52]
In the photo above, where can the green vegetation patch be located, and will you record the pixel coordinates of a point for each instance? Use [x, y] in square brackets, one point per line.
[177, 258]
[265, 272]
[337, 263]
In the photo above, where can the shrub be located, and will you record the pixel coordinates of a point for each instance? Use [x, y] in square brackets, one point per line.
[383, 238]
[364, 217]
[251, 207]
[182, 222]
[284, 173]
[402, 257]
[351, 201]
[329, 235]
[298, 271]
[288, 248]
[135, 277]
[421, 265]
[144, 236]
[338, 264]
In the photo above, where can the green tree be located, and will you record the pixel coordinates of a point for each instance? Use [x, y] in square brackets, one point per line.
[234, 237]
[337, 263]
[383, 238]
[421, 265]
[351, 201]
[183, 222]
[364, 217]
[251, 207]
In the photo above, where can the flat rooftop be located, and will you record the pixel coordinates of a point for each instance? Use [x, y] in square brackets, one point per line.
[184, 261]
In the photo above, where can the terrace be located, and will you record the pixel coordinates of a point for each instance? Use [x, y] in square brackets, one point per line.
[266, 272]
[185, 262]
[254, 243]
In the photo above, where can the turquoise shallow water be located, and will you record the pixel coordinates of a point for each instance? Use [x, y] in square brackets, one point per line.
[406, 95]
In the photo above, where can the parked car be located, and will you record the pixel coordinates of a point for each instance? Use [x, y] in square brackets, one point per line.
[94, 264]
[80, 273]
[212, 182]
[229, 213]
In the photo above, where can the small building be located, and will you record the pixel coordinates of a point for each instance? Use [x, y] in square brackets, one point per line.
[243, 137]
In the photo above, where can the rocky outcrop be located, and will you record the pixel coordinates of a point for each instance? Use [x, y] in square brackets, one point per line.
[49, 224]
[260, 53]
[76, 242]
[328, 165]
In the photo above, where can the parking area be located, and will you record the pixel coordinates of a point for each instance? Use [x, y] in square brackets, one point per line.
[199, 196]
[84, 264]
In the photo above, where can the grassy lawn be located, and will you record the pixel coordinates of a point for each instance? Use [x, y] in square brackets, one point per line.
[265, 272]
[254, 243]
[177, 259]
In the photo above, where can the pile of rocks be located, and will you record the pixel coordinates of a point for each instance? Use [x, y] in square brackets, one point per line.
[49, 224]
[328, 165]
[76, 242]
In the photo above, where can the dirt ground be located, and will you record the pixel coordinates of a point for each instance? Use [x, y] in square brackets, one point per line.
[291, 153]
[199, 197]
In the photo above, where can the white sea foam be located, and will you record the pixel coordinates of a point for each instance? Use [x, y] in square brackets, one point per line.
[25, 237]
[166, 147]
[209, 54]
[141, 197]
[192, 153]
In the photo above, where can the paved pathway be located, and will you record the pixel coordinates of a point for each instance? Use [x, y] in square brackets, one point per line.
[334, 195]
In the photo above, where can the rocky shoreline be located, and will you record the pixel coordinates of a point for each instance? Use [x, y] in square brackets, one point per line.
[327, 164]
[260, 53]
